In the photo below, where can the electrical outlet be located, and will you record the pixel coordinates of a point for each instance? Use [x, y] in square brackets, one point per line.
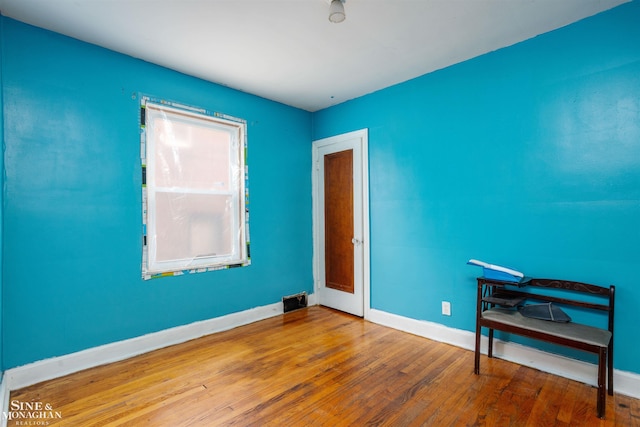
[446, 308]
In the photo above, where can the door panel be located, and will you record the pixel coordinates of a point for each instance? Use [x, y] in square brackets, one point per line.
[338, 220]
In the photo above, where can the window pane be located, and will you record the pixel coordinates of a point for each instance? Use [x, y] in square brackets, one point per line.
[191, 155]
[194, 225]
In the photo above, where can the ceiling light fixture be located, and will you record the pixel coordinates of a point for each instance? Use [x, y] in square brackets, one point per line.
[336, 11]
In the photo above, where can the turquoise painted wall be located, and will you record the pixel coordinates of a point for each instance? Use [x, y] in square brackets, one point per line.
[528, 157]
[72, 214]
[1, 194]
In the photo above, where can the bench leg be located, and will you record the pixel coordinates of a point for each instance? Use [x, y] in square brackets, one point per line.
[602, 373]
[476, 366]
[490, 350]
[610, 367]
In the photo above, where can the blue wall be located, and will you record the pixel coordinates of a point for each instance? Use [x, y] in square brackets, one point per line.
[1, 196]
[72, 277]
[528, 157]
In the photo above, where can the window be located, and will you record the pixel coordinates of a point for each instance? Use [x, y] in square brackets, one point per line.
[194, 190]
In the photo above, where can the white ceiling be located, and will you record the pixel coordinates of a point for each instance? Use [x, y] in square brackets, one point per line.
[288, 51]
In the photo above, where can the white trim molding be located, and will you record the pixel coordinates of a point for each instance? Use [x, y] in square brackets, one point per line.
[4, 400]
[312, 299]
[43, 370]
[626, 383]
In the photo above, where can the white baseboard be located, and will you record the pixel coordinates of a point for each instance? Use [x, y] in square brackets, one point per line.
[33, 373]
[626, 383]
[4, 400]
[312, 299]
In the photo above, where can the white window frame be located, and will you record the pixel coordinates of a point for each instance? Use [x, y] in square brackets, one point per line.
[238, 192]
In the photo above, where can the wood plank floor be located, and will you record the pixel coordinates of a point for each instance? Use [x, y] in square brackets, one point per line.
[319, 367]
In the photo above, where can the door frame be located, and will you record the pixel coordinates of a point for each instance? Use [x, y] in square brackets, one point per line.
[318, 246]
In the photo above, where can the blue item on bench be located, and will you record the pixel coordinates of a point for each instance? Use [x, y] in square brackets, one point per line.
[497, 272]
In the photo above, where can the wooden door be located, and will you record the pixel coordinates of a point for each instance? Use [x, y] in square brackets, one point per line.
[341, 249]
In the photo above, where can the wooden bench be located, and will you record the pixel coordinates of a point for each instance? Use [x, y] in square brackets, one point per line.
[497, 309]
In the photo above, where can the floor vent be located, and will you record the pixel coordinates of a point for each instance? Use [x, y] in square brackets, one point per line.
[294, 302]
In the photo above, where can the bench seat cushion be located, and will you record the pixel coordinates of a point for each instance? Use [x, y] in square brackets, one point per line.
[573, 331]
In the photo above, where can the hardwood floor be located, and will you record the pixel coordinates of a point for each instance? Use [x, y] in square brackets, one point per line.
[318, 367]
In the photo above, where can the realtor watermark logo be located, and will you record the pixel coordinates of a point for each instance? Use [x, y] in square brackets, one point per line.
[31, 413]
